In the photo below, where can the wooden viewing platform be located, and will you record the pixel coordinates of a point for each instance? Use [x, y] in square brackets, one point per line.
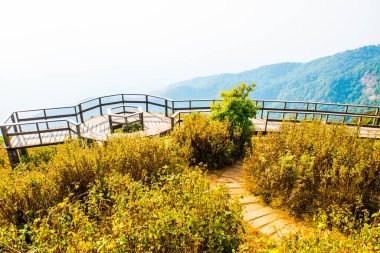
[96, 119]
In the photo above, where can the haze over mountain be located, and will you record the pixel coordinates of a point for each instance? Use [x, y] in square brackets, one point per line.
[349, 77]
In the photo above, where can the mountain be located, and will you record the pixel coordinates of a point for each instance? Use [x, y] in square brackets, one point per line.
[349, 77]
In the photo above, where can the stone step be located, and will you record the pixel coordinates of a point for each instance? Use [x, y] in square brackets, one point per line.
[274, 227]
[251, 207]
[284, 231]
[238, 191]
[233, 185]
[255, 214]
[234, 176]
[249, 200]
[264, 220]
[236, 179]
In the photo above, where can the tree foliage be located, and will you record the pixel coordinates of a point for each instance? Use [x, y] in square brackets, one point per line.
[238, 109]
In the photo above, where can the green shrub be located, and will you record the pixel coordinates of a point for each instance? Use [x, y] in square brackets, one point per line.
[39, 155]
[203, 140]
[177, 213]
[131, 127]
[311, 167]
[27, 194]
[363, 240]
[4, 164]
[237, 109]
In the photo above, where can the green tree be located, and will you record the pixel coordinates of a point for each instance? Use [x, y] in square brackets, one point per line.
[237, 108]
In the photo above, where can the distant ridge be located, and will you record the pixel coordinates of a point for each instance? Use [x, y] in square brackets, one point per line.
[349, 77]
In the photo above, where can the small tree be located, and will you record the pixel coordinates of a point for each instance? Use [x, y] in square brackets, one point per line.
[237, 108]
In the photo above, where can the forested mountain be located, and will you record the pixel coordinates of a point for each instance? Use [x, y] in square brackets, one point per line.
[348, 77]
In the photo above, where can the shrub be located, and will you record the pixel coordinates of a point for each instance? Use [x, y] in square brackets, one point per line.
[4, 164]
[203, 140]
[237, 108]
[27, 194]
[310, 167]
[178, 213]
[39, 155]
[363, 240]
[131, 127]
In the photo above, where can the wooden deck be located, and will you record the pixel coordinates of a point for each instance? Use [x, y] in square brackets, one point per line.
[95, 129]
[273, 126]
[33, 140]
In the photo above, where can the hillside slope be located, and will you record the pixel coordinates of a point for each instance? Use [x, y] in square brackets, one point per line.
[349, 77]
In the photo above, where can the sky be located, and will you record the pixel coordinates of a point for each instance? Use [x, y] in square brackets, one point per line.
[57, 53]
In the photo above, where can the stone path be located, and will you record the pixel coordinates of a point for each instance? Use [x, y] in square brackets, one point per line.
[256, 213]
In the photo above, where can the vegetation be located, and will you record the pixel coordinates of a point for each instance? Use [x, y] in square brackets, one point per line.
[132, 194]
[237, 109]
[222, 138]
[146, 194]
[317, 169]
[131, 127]
[203, 140]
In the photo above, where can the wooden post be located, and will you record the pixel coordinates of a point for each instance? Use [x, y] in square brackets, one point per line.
[327, 118]
[359, 123]
[76, 113]
[47, 123]
[110, 123]
[166, 107]
[141, 115]
[78, 131]
[172, 121]
[13, 157]
[4, 132]
[296, 116]
[172, 107]
[190, 104]
[23, 152]
[266, 122]
[345, 111]
[68, 127]
[14, 121]
[39, 134]
[100, 106]
[376, 121]
[80, 113]
[146, 103]
[18, 120]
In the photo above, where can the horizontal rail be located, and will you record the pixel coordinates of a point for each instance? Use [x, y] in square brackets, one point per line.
[168, 104]
[178, 113]
[321, 114]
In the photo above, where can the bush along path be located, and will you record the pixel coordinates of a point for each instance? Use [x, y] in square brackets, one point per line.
[257, 214]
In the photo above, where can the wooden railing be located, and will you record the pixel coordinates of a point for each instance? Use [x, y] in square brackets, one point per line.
[19, 122]
[129, 117]
[38, 129]
[327, 117]
[176, 119]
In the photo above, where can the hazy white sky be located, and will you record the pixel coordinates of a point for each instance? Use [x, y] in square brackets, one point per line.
[55, 53]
